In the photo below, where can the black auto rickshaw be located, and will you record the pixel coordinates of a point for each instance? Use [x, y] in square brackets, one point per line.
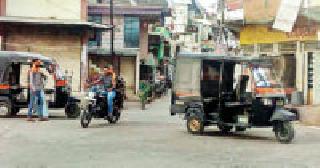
[14, 93]
[230, 92]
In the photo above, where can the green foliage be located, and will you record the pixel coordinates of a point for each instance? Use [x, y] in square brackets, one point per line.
[144, 90]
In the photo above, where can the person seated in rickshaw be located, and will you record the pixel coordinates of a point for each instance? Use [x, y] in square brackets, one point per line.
[108, 80]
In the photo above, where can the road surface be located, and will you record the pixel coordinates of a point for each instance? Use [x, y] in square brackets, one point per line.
[148, 138]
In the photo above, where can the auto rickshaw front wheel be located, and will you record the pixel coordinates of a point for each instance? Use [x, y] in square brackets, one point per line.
[195, 125]
[284, 131]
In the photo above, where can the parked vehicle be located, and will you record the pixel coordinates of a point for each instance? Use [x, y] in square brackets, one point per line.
[94, 104]
[206, 92]
[14, 94]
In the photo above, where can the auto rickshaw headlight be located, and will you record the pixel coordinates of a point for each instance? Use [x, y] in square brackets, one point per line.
[266, 101]
[3, 109]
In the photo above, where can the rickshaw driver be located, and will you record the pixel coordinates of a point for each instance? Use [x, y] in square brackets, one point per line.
[108, 80]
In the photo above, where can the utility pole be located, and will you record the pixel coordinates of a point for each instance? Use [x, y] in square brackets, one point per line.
[222, 6]
[112, 35]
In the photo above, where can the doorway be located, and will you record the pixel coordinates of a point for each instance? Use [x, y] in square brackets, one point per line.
[287, 67]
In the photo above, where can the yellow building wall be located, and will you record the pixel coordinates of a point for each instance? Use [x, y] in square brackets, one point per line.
[58, 9]
[260, 34]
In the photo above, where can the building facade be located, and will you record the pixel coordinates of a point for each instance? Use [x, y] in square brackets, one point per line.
[131, 21]
[298, 48]
[49, 28]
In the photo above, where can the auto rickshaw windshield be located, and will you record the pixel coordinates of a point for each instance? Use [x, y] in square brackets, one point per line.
[266, 77]
[187, 77]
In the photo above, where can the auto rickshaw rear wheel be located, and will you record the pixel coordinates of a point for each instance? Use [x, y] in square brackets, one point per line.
[72, 110]
[240, 129]
[85, 119]
[284, 131]
[224, 128]
[195, 125]
[10, 109]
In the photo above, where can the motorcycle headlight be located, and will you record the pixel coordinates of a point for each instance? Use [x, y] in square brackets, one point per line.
[91, 95]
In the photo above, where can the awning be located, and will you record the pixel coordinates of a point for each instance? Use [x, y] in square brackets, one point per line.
[53, 22]
[130, 52]
[161, 31]
[131, 10]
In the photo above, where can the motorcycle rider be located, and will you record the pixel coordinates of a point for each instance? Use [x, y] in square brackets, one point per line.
[108, 80]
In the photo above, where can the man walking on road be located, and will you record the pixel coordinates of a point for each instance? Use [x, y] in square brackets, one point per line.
[36, 81]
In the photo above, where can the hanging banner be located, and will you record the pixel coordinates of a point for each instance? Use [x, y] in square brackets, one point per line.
[260, 11]
[234, 4]
[287, 15]
[234, 10]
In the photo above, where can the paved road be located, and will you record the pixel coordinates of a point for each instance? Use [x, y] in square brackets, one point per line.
[148, 139]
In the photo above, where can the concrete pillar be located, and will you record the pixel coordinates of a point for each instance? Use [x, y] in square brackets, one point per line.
[3, 6]
[137, 78]
[1, 37]
[275, 49]
[255, 50]
[299, 68]
[316, 78]
[84, 60]
[143, 40]
[84, 10]
[305, 75]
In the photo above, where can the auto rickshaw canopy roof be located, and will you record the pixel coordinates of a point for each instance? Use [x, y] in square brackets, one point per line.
[22, 57]
[9, 57]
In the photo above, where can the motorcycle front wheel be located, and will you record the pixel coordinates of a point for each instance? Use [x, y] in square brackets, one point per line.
[85, 119]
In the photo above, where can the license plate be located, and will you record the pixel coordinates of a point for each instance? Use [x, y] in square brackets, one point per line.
[280, 103]
[243, 119]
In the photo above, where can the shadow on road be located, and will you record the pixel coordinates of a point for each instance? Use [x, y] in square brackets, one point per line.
[236, 135]
[25, 117]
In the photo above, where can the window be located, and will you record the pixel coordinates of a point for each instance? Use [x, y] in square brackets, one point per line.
[131, 32]
[310, 70]
[96, 36]
[95, 18]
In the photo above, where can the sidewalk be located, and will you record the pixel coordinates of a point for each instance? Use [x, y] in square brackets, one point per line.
[132, 98]
[309, 115]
